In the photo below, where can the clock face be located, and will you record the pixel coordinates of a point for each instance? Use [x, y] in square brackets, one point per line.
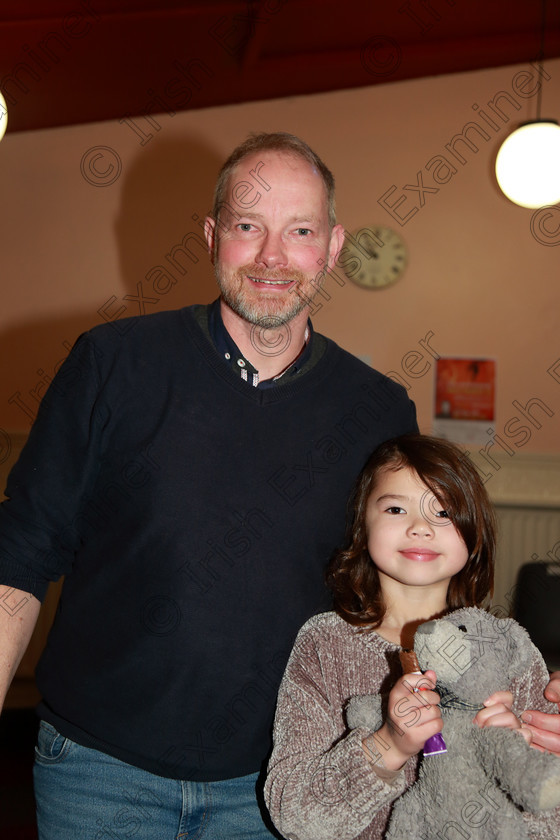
[378, 257]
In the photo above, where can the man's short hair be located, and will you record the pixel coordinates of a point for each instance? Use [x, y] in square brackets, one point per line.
[276, 142]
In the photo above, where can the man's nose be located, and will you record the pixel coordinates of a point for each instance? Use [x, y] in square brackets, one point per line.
[273, 251]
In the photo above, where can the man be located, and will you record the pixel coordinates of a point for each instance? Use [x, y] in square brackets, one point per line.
[188, 473]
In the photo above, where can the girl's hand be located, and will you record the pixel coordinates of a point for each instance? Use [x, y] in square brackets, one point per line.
[497, 712]
[413, 716]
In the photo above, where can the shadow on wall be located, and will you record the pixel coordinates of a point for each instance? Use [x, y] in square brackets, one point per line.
[163, 264]
[165, 195]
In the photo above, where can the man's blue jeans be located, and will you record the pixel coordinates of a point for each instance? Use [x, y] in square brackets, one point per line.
[82, 793]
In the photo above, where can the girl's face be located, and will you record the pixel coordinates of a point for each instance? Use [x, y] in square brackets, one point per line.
[410, 538]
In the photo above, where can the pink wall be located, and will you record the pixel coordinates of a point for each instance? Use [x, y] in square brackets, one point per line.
[90, 212]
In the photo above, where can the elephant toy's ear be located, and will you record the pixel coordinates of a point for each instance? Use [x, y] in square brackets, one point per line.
[518, 645]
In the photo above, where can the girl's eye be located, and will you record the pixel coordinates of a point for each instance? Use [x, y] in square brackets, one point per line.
[442, 514]
[394, 509]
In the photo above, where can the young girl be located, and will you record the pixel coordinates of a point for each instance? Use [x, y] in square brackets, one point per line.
[421, 544]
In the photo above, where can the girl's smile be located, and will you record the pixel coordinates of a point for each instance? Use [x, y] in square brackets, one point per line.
[421, 554]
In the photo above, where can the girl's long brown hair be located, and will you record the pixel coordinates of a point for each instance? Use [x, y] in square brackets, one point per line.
[454, 480]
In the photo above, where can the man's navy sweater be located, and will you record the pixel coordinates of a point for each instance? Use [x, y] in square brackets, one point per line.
[193, 516]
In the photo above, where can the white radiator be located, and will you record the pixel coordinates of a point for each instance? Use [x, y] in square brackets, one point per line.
[525, 535]
[525, 489]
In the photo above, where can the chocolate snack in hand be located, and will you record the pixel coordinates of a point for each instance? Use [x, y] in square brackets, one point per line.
[409, 662]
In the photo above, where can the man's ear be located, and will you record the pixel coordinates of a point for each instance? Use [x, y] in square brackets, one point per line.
[335, 244]
[210, 234]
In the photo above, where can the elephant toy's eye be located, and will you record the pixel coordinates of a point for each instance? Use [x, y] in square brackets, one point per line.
[462, 628]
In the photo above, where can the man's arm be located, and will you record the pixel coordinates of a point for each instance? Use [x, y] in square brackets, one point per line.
[18, 615]
[545, 728]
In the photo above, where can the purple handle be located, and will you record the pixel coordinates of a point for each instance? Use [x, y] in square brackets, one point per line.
[435, 745]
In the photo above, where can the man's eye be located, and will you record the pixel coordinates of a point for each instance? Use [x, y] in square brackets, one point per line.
[244, 226]
[303, 231]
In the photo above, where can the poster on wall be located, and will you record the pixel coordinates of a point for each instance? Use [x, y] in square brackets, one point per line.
[465, 400]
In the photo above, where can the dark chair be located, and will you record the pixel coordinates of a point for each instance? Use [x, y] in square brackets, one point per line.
[536, 607]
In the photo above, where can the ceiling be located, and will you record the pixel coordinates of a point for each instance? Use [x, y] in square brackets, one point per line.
[65, 62]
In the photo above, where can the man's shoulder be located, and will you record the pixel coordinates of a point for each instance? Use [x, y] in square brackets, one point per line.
[353, 368]
[153, 330]
[152, 322]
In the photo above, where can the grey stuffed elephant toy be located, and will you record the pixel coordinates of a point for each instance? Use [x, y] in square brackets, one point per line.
[476, 788]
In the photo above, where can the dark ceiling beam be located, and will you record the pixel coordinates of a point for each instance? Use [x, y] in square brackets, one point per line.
[257, 24]
[172, 57]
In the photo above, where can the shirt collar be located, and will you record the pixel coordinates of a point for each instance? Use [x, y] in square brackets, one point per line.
[230, 352]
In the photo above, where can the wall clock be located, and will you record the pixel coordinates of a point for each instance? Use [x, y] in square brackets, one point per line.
[378, 257]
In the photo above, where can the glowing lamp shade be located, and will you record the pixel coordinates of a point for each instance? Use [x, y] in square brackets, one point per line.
[528, 164]
[3, 116]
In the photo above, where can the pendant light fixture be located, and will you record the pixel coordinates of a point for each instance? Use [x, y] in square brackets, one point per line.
[528, 162]
[3, 116]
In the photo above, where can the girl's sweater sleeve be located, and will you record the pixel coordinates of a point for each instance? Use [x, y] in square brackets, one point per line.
[320, 784]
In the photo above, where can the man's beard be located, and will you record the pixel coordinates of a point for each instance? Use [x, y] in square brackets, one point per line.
[265, 310]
